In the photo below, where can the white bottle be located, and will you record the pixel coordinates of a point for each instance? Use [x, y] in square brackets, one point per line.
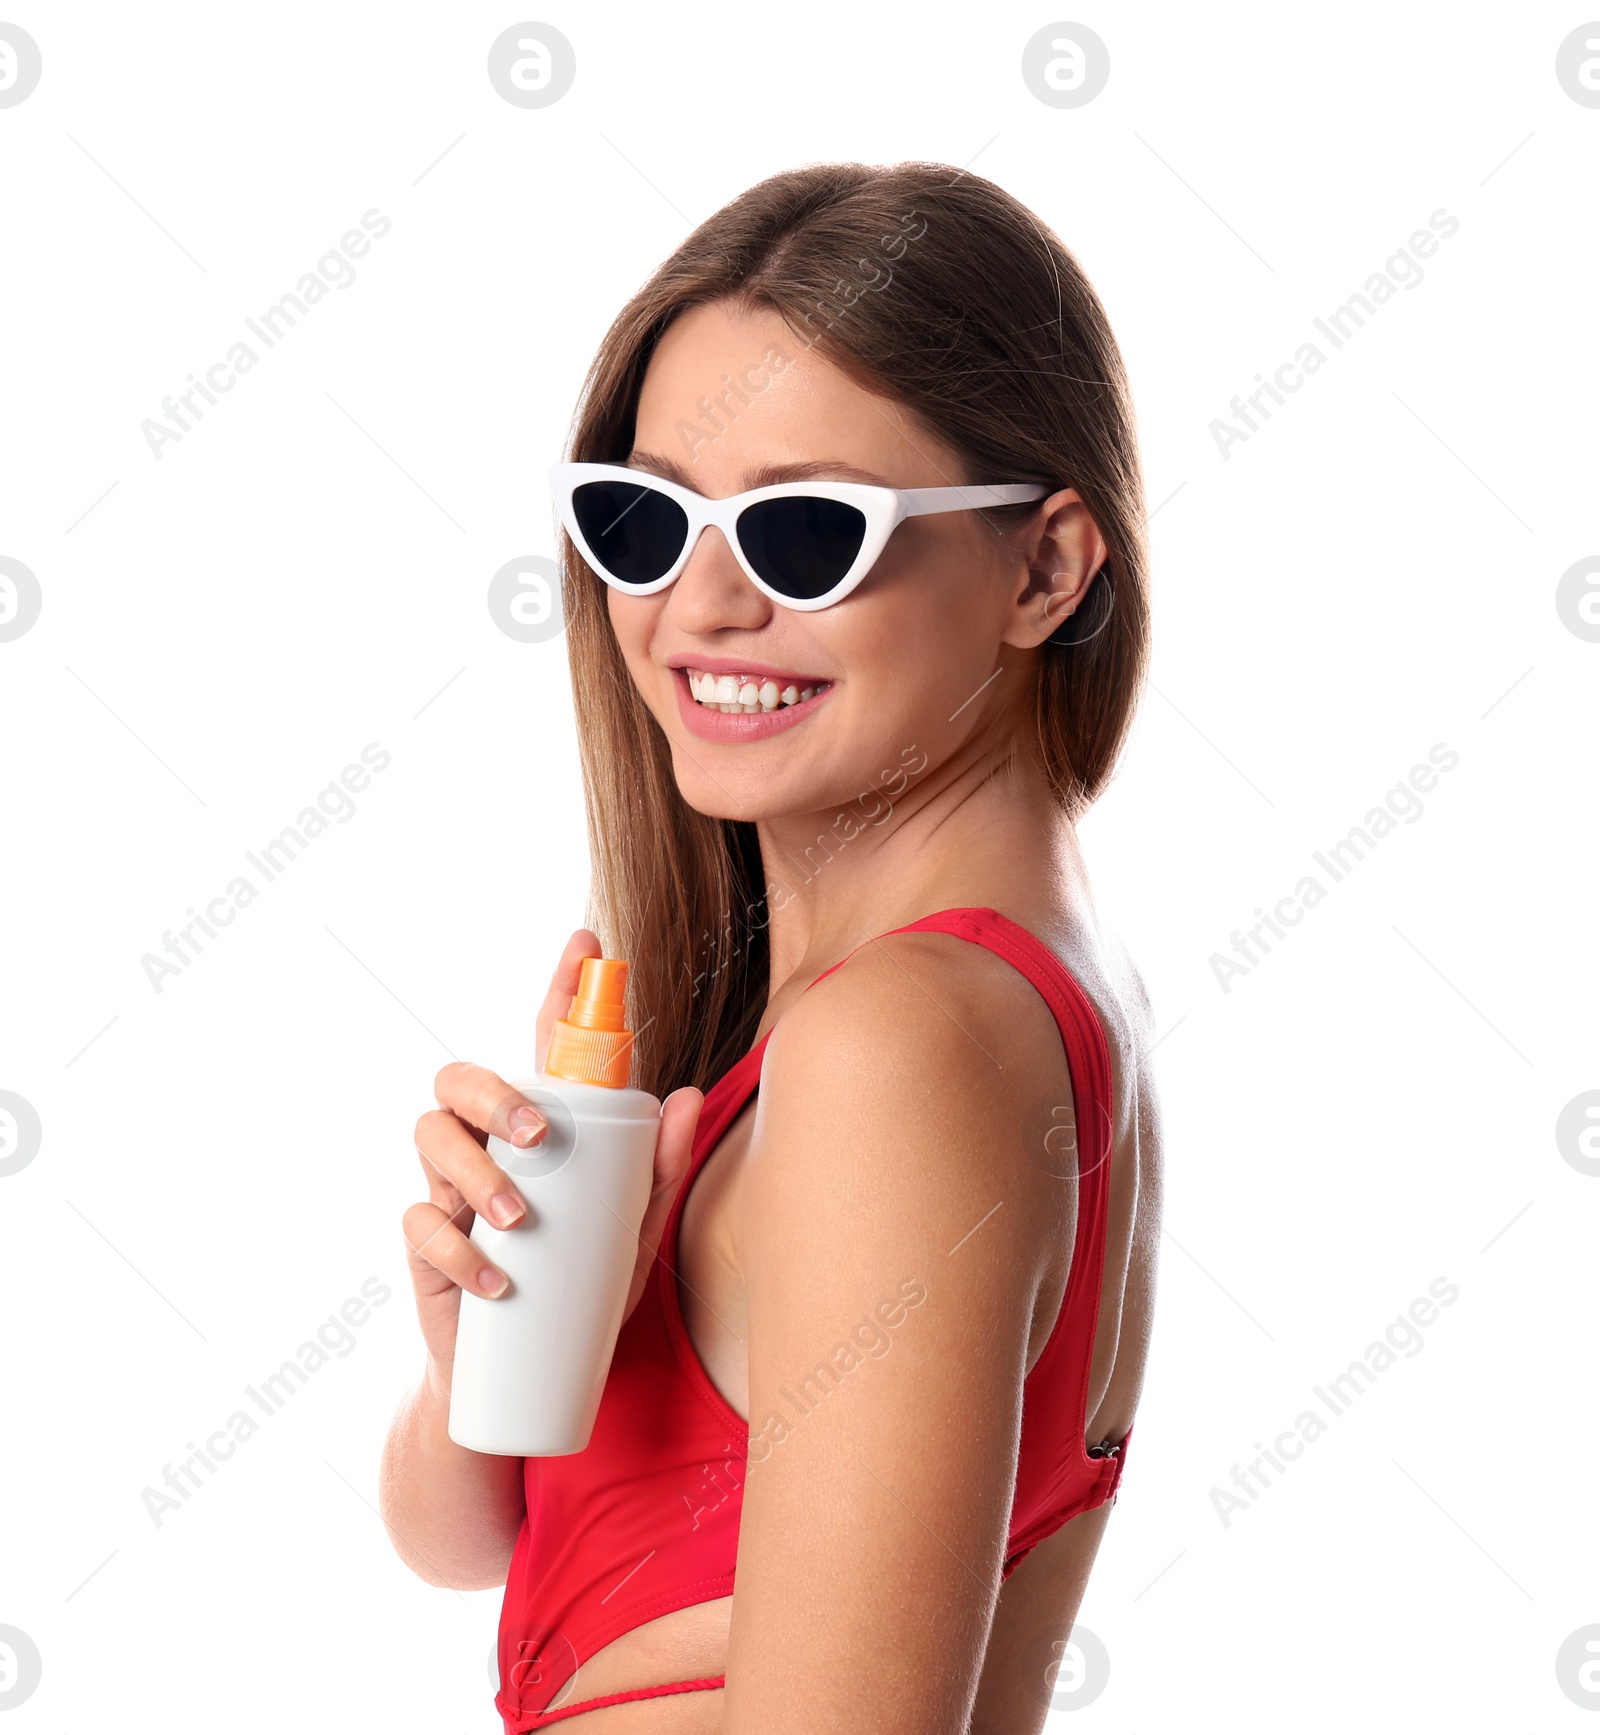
[530, 1366]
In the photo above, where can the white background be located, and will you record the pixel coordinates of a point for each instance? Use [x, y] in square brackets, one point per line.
[1373, 572]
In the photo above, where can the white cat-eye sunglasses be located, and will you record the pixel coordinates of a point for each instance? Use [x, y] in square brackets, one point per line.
[803, 544]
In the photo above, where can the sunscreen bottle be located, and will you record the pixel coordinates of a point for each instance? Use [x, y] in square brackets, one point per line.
[530, 1366]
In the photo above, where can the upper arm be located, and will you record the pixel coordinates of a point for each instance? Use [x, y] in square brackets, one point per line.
[893, 1235]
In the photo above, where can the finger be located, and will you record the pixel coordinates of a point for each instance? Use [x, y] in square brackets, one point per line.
[436, 1244]
[680, 1114]
[487, 1103]
[563, 985]
[464, 1167]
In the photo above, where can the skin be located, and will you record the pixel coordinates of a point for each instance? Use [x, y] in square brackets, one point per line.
[887, 1139]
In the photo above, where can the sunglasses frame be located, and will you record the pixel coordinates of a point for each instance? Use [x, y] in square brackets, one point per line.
[883, 508]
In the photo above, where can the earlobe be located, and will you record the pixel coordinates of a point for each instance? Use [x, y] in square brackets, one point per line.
[1090, 614]
[1052, 600]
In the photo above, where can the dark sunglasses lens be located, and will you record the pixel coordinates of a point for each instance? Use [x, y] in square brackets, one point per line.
[802, 545]
[635, 532]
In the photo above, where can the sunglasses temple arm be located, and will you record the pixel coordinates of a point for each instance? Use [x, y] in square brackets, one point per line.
[919, 502]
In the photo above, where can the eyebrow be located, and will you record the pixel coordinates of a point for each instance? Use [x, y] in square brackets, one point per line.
[768, 476]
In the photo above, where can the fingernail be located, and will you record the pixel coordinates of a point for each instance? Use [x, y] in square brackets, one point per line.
[492, 1283]
[526, 1124]
[505, 1209]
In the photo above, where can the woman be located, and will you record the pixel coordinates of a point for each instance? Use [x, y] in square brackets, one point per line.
[833, 759]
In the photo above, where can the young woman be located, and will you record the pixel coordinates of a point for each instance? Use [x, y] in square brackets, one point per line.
[888, 1327]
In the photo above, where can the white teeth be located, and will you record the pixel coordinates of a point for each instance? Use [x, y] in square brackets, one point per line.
[744, 695]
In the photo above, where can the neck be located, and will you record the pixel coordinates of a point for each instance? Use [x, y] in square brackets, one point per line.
[980, 828]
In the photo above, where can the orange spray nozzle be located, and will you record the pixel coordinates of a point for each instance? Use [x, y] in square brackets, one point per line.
[592, 1044]
[597, 1005]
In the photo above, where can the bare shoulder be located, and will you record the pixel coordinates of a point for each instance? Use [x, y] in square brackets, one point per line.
[915, 1015]
[896, 1110]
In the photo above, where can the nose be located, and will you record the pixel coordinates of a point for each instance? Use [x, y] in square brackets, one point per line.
[712, 592]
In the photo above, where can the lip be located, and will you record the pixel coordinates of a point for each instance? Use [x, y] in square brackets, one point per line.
[735, 666]
[726, 726]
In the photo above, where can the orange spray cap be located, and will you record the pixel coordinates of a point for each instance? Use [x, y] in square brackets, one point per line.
[591, 1045]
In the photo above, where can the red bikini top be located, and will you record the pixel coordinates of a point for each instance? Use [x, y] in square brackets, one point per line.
[645, 1519]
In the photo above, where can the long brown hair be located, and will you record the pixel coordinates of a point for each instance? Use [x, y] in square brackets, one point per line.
[940, 291]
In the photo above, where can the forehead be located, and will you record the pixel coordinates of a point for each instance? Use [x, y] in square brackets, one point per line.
[731, 390]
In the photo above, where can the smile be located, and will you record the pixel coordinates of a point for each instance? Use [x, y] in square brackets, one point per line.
[747, 693]
[730, 702]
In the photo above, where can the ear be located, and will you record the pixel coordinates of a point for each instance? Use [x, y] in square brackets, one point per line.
[1059, 549]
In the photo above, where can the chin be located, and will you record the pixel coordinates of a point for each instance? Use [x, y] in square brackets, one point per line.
[728, 799]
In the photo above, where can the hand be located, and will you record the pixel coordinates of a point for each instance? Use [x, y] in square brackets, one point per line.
[465, 1181]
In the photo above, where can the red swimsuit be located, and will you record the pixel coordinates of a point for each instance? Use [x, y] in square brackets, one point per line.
[645, 1519]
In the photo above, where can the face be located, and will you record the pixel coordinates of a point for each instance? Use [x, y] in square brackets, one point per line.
[901, 672]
